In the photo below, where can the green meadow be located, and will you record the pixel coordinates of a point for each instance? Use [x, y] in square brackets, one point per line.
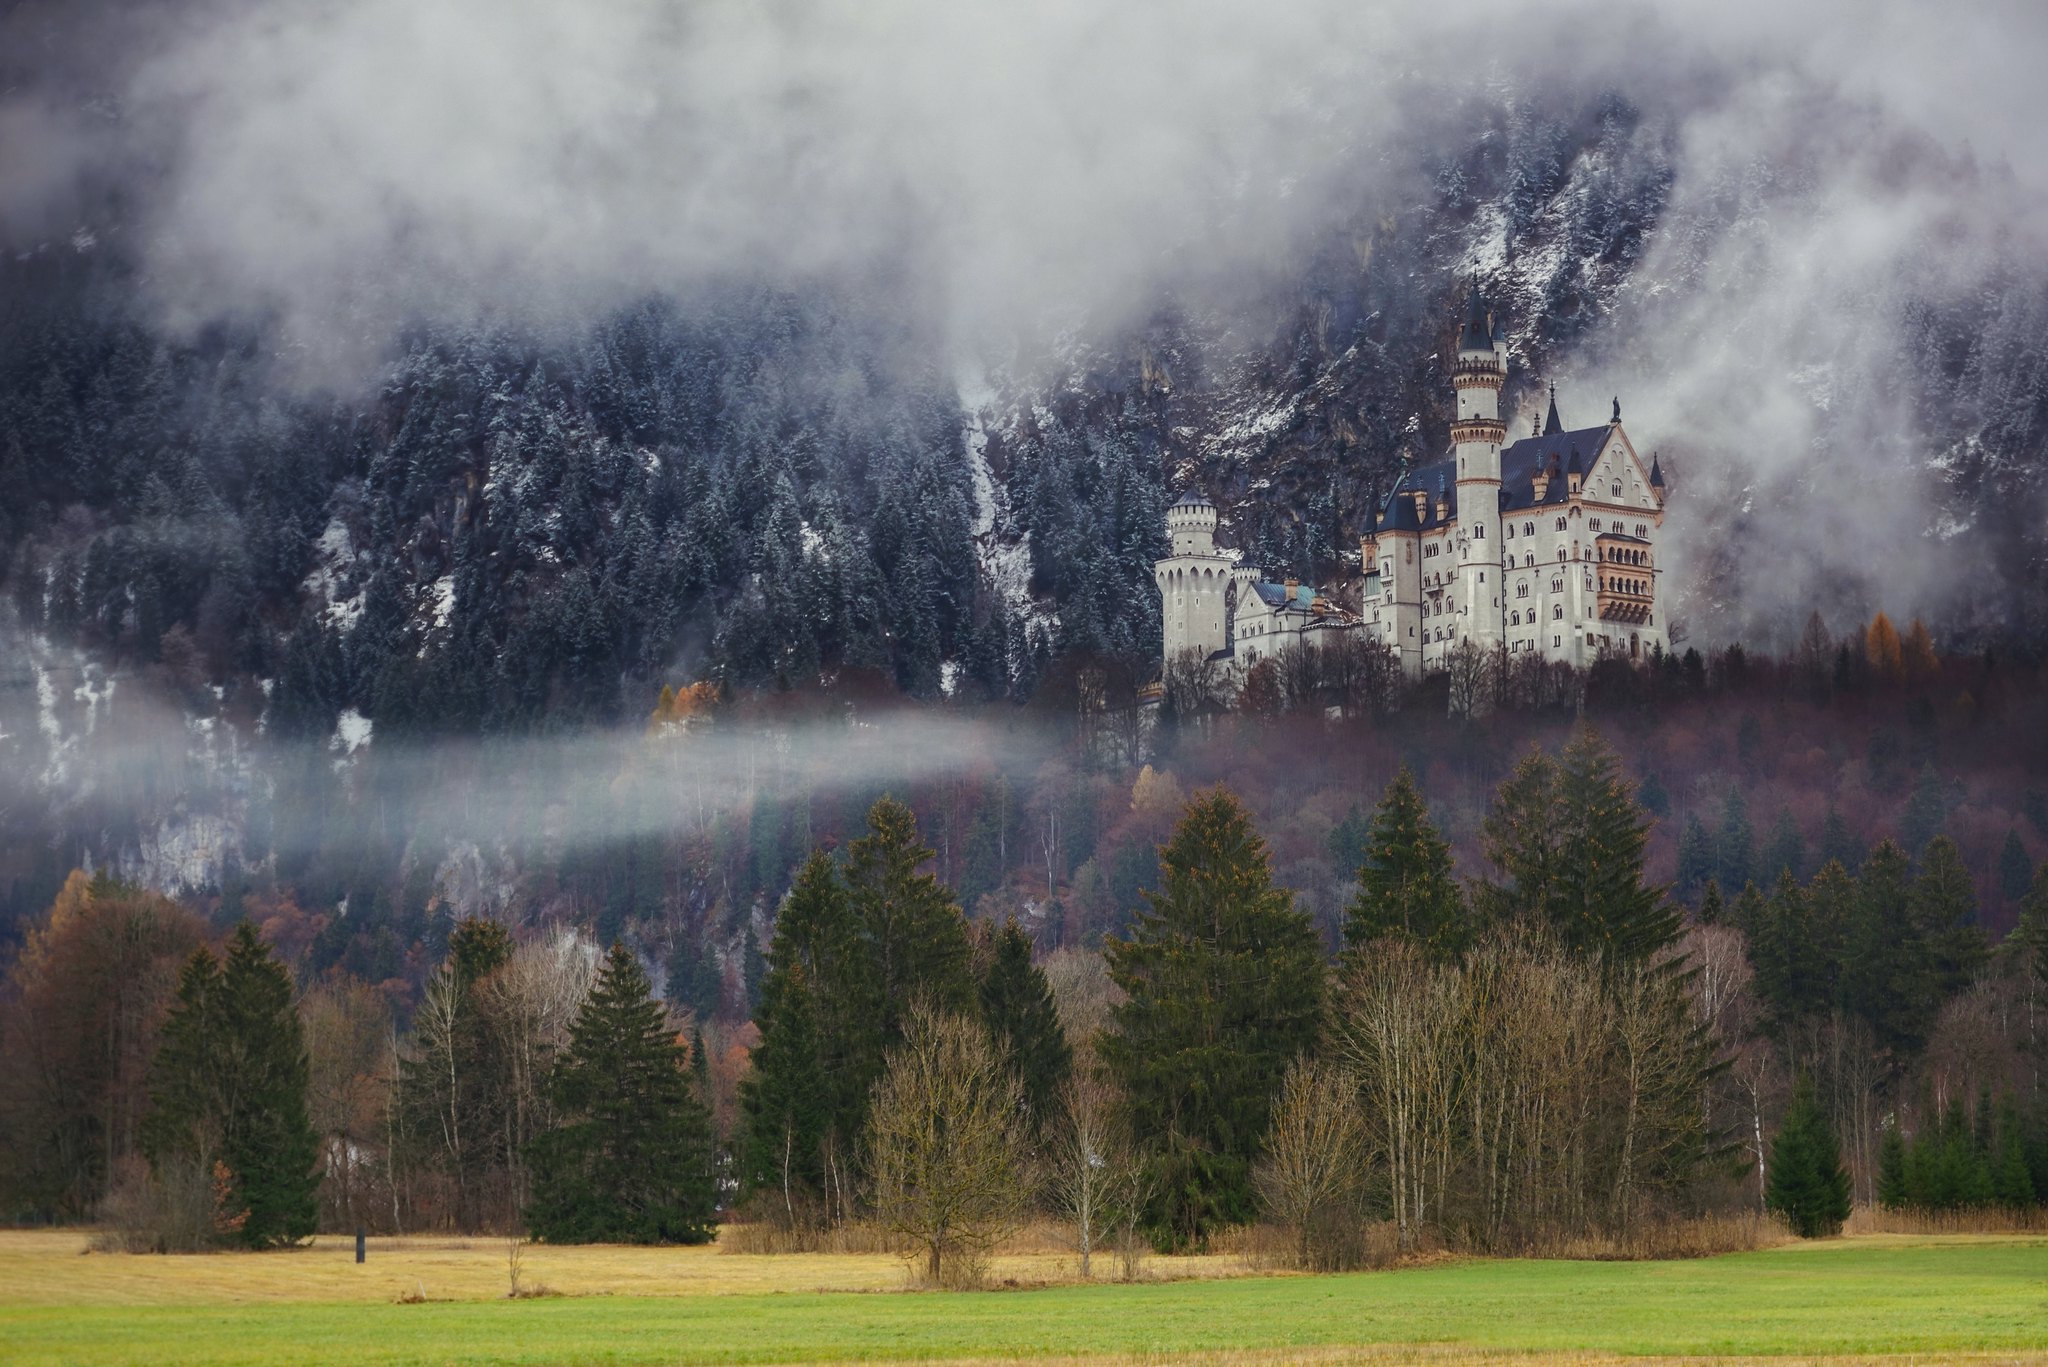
[1929, 1297]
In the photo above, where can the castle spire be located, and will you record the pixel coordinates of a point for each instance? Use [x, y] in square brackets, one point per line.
[1551, 426]
[1617, 410]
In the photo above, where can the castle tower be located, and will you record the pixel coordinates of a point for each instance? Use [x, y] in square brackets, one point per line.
[1477, 435]
[1194, 581]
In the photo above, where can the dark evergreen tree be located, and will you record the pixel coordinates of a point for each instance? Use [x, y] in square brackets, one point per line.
[2033, 926]
[1839, 844]
[2015, 870]
[1885, 976]
[629, 1158]
[804, 1100]
[1696, 862]
[1017, 1006]
[1926, 810]
[1222, 978]
[1944, 912]
[1734, 843]
[1712, 911]
[921, 948]
[229, 1086]
[1808, 1184]
[1893, 1192]
[1405, 887]
[1784, 850]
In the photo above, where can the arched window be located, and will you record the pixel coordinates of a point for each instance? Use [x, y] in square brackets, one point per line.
[1557, 612]
[1528, 529]
[1479, 532]
[1560, 524]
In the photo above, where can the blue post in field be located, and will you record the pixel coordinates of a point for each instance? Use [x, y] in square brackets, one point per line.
[359, 1243]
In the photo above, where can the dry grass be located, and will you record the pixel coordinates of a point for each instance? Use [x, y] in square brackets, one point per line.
[1876, 1220]
[54, 1267]
[1405, 1355]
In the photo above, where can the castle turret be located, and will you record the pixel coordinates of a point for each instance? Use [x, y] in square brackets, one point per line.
[1477, 435]
[1195, 581]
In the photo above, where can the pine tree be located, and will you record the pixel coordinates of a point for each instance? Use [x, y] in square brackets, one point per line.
[230, 1087]
[1808, 1184]
[1405, 887]
[629, 1158]
[1023, 1024]
[1884, 974]
[1751, 913]
[1223, 981]
[2015, 870]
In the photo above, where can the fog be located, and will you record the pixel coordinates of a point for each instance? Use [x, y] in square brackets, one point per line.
[339, 167]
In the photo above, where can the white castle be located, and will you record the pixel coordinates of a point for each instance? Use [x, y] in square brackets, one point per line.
[1547, 546]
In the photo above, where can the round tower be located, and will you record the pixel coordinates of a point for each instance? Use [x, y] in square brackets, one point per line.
[1477, 435]
[1195, 595]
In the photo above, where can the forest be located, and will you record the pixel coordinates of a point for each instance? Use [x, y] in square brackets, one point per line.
[1593, 954]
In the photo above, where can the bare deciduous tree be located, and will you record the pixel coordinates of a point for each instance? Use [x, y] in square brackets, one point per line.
[1315, 1159]
[1090, 1160]
[947, 1146]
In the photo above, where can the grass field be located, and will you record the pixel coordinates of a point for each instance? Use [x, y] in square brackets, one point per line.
[1938, 1298]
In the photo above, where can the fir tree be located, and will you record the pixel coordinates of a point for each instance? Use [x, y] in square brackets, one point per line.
[229, 1086]
[1405, 887]
[1017, 1007]
[1926, 809]
[1808, 1184]
[1750, 913]
[1884, 974]
[629, 1159]
[1223, 980]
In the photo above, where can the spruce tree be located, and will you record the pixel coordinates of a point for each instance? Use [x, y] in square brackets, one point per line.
[1734, 844]
[1405, 887]
[1837, 843]
[629, 1158]
[229, 1086]
[1884, 973]
[1696, 863]
[805, 1098]
[1893, 1192]
[1712, 910]
[2033, 926]
[1223, 981]
[1570, 841]
[1023, 1024]
[1944, 911]
[1808, 1184]
[1785, 850]
[921, 947]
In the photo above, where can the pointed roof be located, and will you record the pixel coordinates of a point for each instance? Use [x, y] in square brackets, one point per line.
[1477, 334]
[1551, 426]
[1192, 499]
[1656, 472]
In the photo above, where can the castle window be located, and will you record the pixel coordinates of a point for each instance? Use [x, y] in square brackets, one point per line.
[1596, 524]
[1617, 488]
[1560, 524]
[1557, 613]
[1528, 529]
[1642, 531]
[1479, 532]
[1511, 531]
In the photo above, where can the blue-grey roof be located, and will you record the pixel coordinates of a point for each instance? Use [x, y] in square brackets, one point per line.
[1192, 499]
[1519, 465]
[1477, 334]
[1275, 595]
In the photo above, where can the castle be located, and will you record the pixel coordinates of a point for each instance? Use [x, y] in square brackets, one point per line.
[1547, 547]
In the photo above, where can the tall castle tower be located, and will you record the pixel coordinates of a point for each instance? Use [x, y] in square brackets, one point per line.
[1477, 435]
[1197, 587]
